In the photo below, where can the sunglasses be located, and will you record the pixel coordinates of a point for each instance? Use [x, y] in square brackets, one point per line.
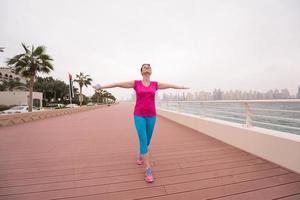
[146, 66]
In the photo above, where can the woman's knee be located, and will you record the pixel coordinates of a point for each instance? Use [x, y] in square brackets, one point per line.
[150, 127]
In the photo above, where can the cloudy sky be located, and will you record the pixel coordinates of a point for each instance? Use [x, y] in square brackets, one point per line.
[234, 44]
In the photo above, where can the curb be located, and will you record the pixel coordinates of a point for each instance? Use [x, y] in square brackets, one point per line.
[20, 118]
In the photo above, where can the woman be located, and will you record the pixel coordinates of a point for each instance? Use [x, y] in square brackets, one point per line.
[144, 111]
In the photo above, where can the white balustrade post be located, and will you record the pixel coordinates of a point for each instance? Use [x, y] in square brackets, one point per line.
[178, 106]
[248, 121]
[204, 109]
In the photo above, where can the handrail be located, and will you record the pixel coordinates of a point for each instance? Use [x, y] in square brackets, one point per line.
[246, 108]
[256, 109]
[243, 101]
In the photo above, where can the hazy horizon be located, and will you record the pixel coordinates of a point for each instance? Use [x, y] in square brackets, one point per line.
[204, 45]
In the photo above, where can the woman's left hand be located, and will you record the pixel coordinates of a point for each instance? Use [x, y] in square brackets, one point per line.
[97, 86]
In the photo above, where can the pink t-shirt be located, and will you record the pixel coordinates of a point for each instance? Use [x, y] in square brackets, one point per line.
[145, 98]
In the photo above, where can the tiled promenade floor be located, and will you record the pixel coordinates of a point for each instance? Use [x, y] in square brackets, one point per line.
[91, 155]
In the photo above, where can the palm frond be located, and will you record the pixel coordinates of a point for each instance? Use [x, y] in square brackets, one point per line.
[38, 51]
[25, 74]
[48, 65]
[25, 48]
[45, 57]
[83, 80]
[15, 59]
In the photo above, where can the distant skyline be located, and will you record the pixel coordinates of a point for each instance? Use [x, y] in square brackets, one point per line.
[204, 45]
[219, 94]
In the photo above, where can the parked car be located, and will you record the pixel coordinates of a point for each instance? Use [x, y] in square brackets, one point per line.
[56, 105]
[20, 109]
[90, 104]
[73, 105]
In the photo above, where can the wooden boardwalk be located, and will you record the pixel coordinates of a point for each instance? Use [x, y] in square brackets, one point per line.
[92, 154]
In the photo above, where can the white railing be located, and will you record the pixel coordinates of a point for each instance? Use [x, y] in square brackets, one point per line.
[282, 115]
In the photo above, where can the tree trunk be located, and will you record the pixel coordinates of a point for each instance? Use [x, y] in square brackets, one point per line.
[80, 98]
[54, 96]
[30, 94]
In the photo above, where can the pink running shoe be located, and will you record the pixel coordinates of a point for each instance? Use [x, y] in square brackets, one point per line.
[140, 161]
[148, 175]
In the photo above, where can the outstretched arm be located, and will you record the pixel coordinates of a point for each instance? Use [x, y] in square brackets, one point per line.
[127, 84]
[167, 86]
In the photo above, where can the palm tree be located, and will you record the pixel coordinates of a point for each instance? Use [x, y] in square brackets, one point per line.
[82, 80]
[112, 97]
[31, 62]
[99, 95]
[105, 94]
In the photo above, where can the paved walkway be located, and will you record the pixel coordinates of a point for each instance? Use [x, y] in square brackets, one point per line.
[91, 155]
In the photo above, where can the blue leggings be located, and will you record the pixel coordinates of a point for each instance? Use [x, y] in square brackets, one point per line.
[144, 127]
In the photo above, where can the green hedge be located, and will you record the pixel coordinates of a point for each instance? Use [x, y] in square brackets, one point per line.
[5, 107]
